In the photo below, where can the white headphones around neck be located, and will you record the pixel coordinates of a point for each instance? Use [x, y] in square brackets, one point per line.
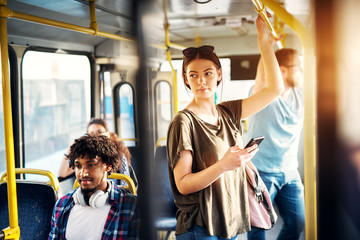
[97, 199]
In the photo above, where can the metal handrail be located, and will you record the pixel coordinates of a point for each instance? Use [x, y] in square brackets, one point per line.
[8, 13]
[159, 141]
[54, 182]
[13, 231]
[169, 45]
[130, 183]
[130, 139]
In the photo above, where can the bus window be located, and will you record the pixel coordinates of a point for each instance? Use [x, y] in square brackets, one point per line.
[106, 110]
[2, 136]
[234, 89]
[56, 105]
[163, 103]
[126, 111]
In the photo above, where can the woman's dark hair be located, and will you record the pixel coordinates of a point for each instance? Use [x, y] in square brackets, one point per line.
[99, 121]
[198, 54]
[120, 145]
[95, 146]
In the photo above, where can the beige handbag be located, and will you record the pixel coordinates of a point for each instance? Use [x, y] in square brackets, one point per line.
[262, 213]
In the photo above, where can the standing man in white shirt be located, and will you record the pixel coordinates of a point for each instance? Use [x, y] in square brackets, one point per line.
[281, 122]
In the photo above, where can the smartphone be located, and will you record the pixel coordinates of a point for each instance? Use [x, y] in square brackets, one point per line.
[255, 140]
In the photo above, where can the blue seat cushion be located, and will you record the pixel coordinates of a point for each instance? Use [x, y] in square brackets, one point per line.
[35, 205]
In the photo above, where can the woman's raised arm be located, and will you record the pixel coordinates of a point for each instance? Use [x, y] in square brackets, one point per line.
[274, 84]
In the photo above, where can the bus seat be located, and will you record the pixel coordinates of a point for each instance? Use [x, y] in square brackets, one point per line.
[36, 201]
[134, 150]
[165, 208]
[67, 183]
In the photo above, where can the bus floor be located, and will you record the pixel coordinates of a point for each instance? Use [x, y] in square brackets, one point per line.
[270, 234]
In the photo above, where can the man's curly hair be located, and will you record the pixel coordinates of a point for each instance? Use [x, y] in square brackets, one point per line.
[95, 145]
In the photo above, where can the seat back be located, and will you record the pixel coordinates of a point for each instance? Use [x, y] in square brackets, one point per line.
[67, 183]
[35, 205]
[35, 201]
[135, 159]
[164, 200]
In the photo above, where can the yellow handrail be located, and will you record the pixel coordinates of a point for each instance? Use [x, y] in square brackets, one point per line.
[159, 140]
[13, 231]
[130, 183]
[93, 23]
[309, 120]
[175, 89]
[54, 182]
[6, 12]
[169, 45]
[130, 139]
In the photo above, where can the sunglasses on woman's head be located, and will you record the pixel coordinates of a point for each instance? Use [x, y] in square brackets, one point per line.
[192, 51]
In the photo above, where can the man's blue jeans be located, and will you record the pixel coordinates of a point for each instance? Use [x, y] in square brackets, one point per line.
[287, 192]
[198, 233]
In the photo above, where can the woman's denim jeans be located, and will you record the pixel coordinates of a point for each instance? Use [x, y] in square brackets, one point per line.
[198, 233]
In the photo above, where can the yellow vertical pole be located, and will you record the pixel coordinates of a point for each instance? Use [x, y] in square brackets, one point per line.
[168, 56]
[93, 23]
[197, 38]
[14, 231]
[309, 119]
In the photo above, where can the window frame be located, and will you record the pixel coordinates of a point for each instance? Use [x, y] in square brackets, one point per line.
[116, 103]
[20, 98]
[155, 107]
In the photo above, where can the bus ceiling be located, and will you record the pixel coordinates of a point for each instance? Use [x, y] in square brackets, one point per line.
[109, 19]
[114, 19]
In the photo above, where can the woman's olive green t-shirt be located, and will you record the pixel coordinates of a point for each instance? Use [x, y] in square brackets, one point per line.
[222, 208]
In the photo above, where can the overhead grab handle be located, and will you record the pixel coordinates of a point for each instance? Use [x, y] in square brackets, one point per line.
[260, 9]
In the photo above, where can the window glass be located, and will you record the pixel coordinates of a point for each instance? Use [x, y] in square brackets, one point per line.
[106, 101]
[127, 122]
[56, 105]
[233, 89]
[163, 108]
[2, 136]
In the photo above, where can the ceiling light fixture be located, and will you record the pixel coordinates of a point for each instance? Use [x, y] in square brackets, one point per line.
[202, 1]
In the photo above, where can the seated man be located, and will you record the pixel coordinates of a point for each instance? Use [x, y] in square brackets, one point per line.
[98, 209]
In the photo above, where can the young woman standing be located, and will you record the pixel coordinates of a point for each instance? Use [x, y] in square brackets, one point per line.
[204, 146]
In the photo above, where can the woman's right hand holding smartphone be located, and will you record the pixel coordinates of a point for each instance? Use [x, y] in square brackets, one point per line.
[235, 157]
